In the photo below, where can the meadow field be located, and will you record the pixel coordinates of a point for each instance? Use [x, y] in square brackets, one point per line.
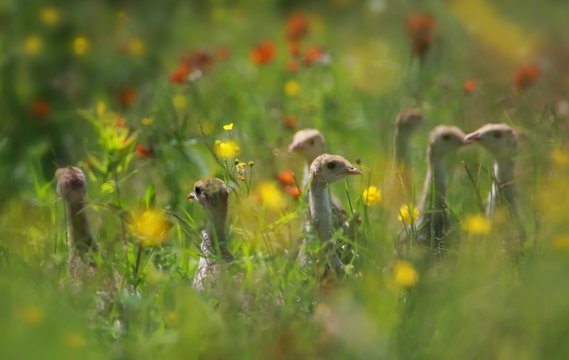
[148, 97]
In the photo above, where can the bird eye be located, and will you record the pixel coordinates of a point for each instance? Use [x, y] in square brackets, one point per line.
[197, 190]
[497, 135]
[331, 165]
[311, 142]
[446, 137]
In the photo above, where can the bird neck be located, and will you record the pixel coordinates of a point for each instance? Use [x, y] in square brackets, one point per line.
[217, 217]
[503, 185]
[434, 191]
[320, 210]
[78, 225]
[401, 148]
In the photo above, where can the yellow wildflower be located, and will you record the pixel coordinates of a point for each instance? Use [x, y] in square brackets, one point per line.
[179, 102]
[33, 45]
[561, 242]
[32, 315]
[476, 224]
[226, 149]
[228, 127]
[404, 274]
[147, 121]
[171, 317]
[151, 227]
[136, 47]
[80, 45]
[408, 214]
[50, 15]
[101, 108]
[271, 195]
[292, 88]
[371, 195]
[560, 156]
[73, 340]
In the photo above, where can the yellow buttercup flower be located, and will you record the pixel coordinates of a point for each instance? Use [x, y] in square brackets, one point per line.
[228, 127]
[147, 121]
[179, 102]
[371, 195]
[404, 274]
[73, 340]
[80, 45]
[561, 242]
[50, 15]
[560, 156]
[101, 108]
[476, 224]
[292, 88]
[32, 315]
[271, 195]
[408, 214]
[136, 47]
[151, 227]
[33, 45]
[226, 149]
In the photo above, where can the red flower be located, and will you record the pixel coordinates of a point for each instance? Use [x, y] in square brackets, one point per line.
[296, 27]
[290, 122]
[127, 97]
[263, 53]
[469, 86]
[526, 76]
[313, 55]
[294, 49]
[292, 66]
[40, 109]
[420, 28]
[180, 76]
[198, 60]
[293, 191]
[286, 178]
[143, 152]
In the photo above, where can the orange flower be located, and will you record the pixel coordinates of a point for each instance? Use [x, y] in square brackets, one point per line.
[40, 109]
[198, 60]
[294, 49]
[143, 151]
[222, 54]
[263, 53]
[286, 178]
[293, 191]
[296, 27]
[313, 55]
[127, 96]
[180, 76]
[469, 86]
[121, 122]
[420, 28]
[292, 66]
[526, 76]
[290, 122]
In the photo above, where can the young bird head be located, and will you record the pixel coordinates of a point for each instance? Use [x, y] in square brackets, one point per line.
[445, 140]
[309, 143]
[210, 193]
[327, 169]
[408, 121]
[498, 139]
[71, 183]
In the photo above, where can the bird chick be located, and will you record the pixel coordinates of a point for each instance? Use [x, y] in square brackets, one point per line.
[308, 143]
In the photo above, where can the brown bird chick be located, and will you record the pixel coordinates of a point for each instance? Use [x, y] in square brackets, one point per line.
[213, 195]
[399, 185]
[72, 187]
[432, 225]
[325, 169]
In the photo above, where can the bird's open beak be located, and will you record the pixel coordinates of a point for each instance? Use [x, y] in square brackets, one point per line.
[295, 147]
[353, 171]
[472, 137]
[191, 196]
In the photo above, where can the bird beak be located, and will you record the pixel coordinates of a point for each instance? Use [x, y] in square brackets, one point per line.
[353, 171]
[295, 147]
[191, 196]
[472, 137]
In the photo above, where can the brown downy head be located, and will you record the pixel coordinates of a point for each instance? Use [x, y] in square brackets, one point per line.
[211, 193]
[499, 139]
[408, 121]
[309, 143]
[327, 169]
[445, 140]
[71, 183]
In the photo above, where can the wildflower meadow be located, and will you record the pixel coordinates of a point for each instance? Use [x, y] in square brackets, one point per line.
[115, 115]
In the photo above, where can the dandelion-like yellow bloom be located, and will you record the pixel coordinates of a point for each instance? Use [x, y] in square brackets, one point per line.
[228, 127]
[73, 340]
[33, 45]
[151, 227]
[560, 156]
[32, 315]
[147, 121]
[50, 15]
[561, 242]
[404, 274]
[226, 149]
[408, 214]
[371, 195]
[101, 108]
[292, 88]
[271, 195]
[476, 224]
[136, 47]
[179, 102]
[80, 45]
